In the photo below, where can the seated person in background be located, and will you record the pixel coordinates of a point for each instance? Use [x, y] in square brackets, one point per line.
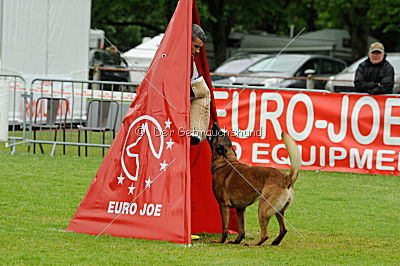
[375, 75]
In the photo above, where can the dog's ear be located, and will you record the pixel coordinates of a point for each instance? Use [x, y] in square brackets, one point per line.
[221, 150]
[230, 145]
[216, 127]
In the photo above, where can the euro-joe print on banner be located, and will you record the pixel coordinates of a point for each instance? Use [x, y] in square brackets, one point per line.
[339, 132]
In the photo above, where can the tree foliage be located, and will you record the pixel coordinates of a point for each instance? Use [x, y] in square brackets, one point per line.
[126, 22]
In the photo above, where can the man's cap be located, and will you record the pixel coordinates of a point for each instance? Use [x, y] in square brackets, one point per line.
[377, 47]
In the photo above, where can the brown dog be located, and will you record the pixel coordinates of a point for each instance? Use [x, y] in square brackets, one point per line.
[237, 185]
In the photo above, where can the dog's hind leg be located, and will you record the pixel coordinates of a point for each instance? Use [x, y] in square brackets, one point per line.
[225, 213]
[282, 228]
[241, 216]
[263, 219]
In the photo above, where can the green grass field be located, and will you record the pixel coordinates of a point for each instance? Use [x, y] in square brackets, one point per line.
[343, 218]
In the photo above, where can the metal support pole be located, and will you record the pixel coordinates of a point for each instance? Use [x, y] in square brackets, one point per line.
[96, 76]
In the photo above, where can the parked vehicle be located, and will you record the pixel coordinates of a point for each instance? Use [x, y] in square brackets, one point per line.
[287, 66]
[236, 64]
[344, 81]
[109, 59]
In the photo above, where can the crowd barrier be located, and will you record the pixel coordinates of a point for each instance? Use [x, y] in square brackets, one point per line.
[57, 112]
[346, 132]
[14, 91]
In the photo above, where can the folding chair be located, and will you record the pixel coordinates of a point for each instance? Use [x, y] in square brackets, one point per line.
[53, 107]
[101, 117]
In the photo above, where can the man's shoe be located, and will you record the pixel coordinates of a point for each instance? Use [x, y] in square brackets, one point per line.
[195, 237]
[194, 140]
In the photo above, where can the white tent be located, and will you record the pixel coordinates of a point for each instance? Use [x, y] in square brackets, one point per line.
[45, 38]
[139, 57]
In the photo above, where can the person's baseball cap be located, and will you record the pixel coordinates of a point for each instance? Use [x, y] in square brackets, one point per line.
[377, 47]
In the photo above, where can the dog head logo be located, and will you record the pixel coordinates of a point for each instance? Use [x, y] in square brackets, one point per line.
[143, 127]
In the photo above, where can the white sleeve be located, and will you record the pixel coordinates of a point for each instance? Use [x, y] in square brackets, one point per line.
[195, 72]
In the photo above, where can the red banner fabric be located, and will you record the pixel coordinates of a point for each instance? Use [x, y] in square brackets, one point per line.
[204, 208]
[335, 132]
[142, 188]
[152, 184]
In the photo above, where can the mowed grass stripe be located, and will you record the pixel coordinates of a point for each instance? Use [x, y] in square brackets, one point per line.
[344, 218]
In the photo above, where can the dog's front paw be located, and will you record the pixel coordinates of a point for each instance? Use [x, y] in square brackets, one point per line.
[262, 240]
[238, 239]
[234, 242]
[275, 243]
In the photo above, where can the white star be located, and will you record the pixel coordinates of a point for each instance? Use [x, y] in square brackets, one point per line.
[131, 188]
[169, 144]
[120, 179]
[163, 166]
[168, 124]
[148, 182]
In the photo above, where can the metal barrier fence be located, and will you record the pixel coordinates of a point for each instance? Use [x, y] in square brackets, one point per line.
[71, 112]
[66, 112]
[16, 89]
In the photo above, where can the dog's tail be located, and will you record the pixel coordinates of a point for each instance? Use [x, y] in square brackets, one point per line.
[295, 158]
